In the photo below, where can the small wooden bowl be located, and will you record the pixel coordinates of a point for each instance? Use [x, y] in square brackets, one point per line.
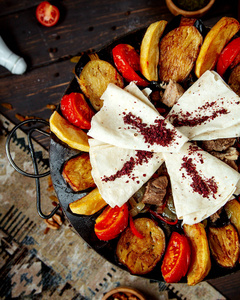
[127, 290]
[175, 10]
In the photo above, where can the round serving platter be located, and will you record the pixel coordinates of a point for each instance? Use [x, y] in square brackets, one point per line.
[60, 152]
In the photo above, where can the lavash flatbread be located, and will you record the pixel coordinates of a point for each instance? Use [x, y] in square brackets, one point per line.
[107, 160]
[196, 198]
[109, 124]
[213, 102]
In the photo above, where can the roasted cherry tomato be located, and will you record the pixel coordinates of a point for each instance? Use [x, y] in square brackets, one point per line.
[177, 258]
[47, 14]
[76, 110]
[228, 55]
[127, 62]
[111, 222]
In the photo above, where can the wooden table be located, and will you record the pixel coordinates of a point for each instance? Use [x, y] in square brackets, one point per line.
[48, 52]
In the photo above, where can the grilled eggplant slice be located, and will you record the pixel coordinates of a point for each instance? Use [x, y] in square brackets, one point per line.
[149, 51]
[234, 80]
[224, 245]
[89, 204]
[141, 255]
[232, 209]
[77, 173]
[214, 42]
[200, 259]
[94, 79]
[178, 52]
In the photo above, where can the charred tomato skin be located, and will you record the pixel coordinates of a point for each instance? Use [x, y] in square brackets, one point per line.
[111, 222]
[127, 61]
[227, 56]
[76, 110]
[176, 260]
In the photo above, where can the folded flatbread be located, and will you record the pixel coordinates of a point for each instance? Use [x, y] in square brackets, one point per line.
[129, 120]
[201, 183]
[208, 110]
[120, 172]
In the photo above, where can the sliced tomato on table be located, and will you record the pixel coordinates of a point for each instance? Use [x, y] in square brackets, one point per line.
[47, 14]
[75, 109]
[227, 56]
[111, 222]
[177, 258]
[127, 61]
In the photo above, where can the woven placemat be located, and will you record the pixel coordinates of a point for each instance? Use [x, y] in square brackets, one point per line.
[41, 263]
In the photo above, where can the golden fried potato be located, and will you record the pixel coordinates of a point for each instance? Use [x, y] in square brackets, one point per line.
[89, 204]
[224, 245]
[77, 172]
[232, 209]
[234, 80]
[178, 52]
[214, 42]
[149, 51]
[94, 79]
[68, 133]
[141, 255]
[200, 258]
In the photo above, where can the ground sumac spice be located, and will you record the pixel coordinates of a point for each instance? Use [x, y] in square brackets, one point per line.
[127, 169]
[186, 119]
[200, 185]
[156, 133]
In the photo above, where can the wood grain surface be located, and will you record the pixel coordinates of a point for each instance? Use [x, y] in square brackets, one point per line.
[48, 52]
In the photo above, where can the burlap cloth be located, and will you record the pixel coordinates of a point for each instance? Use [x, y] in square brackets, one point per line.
[51, 264]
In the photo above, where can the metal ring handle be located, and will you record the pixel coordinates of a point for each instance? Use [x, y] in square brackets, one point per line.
[36, 174]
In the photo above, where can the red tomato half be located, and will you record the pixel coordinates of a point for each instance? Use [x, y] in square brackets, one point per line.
[177, 258]
[47, 14]
[227, 56]
[76, 110]
[127, 62]
[111, 222]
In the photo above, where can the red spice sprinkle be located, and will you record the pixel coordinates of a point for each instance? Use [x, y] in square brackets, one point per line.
[183, 119]
[140, 158]
[202, 186]
[153, 134]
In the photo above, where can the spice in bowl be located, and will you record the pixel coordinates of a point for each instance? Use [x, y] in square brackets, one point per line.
[191, 5]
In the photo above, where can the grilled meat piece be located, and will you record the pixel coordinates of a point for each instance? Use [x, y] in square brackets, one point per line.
[156, 191]
[172, 93]
[218, 145]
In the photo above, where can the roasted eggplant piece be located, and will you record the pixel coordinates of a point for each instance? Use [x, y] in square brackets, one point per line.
[77, 173]
[200, 259]
[141, 255]
[234, 80]
[232, 209]
[214, 42]
[94, 79]
[89, 204]
[224, 245]
[178, 52]
[149, 51]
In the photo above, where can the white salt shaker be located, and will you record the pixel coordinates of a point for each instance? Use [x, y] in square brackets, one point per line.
[14, 63]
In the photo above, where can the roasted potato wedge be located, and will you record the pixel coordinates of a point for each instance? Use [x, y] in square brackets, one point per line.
[68, 133]
[77, 172]
[89, 204]
[232, 209]
[178, 52]
[141, 255]
[214, 42]
[149, 50]
[94, 79]
[224, 245]
[234, 80]
[200, 259]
